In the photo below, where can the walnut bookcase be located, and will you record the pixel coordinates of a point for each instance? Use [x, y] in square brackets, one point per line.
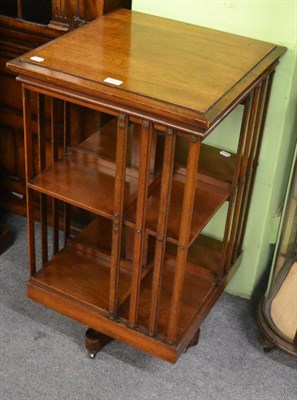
[136, 265]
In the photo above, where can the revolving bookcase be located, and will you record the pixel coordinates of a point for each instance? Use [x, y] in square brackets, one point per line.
[124, 203]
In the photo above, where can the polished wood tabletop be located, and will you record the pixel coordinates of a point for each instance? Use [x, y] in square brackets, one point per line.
[170, 66]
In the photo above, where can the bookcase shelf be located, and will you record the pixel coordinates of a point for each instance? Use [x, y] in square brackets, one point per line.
[198, 288]
[138, 267]
[208, 200]
[81, 276]
[70, 180]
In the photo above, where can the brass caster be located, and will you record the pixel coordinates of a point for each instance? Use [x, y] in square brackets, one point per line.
[95, 341]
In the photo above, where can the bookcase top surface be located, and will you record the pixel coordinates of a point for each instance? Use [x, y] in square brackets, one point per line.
[154, 62]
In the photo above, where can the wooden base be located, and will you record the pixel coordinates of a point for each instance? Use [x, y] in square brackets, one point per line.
[269, 339]
[6, 239]
[95, 341]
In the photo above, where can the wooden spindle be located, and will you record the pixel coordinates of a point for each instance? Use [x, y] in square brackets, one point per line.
[55, 108]
[242, 176]
[234, 186]
[29, 170]
[139, 241]
[166, 183]
[266, 89]
[184, 236]
[66, 143]
[249, 170]
[42, 165]
[119, 193]
[20, 9]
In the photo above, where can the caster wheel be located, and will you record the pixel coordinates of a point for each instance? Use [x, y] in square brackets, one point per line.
[95, 341]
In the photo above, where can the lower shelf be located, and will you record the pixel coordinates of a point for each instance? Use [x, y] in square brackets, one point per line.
[198, 288]
[91, 317]
[82, 277]
[76, 284]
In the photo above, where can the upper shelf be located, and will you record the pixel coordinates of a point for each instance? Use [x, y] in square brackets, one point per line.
[187, 75]
[84, 184]
[212, 162]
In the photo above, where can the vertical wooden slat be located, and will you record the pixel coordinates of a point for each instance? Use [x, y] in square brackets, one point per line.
[242, 176]
[66, 126]
[20, 9]
[135, 151]
[61, 12]
[184, 236]
[164, 205]
[146, 134]
[55, 216]
[266, 95]
[28, 144]
[119, 193]
[66, 142]
[227, 239]
[249, 169]
[153, 154]
[55, 155]
[42, 166]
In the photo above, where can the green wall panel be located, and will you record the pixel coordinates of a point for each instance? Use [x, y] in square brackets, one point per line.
[272, 21]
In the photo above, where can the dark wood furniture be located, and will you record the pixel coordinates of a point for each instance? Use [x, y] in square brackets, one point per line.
[6, 239]
[24, 25]
[137, 265]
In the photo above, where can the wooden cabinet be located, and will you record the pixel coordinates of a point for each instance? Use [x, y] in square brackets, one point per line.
[6, 239]
[137, 265]
[24, 25]
[277, 311]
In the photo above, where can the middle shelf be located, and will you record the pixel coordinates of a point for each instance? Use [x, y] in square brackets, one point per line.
[91, 187]
[85, 177]
[79, 272]
[81, 182]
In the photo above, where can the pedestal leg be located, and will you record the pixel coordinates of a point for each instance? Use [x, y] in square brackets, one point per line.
[95, 341]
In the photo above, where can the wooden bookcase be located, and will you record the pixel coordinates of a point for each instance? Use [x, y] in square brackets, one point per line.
[136, 265]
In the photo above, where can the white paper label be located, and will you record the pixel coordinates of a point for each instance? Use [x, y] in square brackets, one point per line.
[225, 153]
[37, 59]
[113, 81]
[19, 195]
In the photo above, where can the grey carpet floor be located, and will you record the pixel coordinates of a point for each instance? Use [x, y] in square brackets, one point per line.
[42, 354]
